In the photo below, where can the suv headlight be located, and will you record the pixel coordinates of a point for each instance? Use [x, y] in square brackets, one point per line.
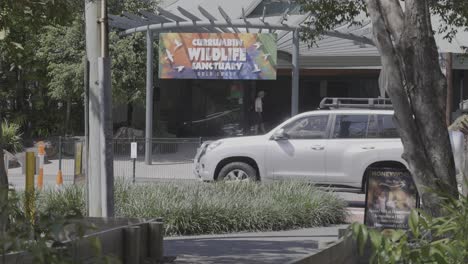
[214, 145]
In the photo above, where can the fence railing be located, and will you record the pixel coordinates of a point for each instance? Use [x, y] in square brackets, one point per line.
[172, 158]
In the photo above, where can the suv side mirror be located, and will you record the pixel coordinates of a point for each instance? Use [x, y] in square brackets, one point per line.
[280, 135]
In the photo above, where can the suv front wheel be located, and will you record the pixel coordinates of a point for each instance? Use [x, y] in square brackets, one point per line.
[237, 171]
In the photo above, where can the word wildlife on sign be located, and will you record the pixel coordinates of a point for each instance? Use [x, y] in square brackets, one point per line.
[217, 56]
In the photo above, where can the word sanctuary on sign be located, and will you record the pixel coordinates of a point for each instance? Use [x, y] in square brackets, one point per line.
[226, 66]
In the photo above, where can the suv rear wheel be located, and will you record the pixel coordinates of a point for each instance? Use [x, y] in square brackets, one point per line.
[237, 171]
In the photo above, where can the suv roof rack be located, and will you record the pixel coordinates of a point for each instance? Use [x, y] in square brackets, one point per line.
[366, 103]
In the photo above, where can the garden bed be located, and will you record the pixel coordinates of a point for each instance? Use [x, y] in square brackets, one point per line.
[201, 208]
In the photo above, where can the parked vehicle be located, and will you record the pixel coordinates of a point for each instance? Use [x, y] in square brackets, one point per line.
[332, 147]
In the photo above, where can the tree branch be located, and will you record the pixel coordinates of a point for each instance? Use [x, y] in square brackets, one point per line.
[394, 17]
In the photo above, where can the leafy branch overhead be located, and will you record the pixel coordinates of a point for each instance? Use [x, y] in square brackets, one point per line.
[329, 14]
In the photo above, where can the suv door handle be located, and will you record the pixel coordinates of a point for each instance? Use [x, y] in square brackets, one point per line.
[318, 147]
[368, 148]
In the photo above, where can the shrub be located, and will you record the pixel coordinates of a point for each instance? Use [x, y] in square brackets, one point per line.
[67, 201]
[428, 240]
[38, 233]
[200, 208]
[10, 139]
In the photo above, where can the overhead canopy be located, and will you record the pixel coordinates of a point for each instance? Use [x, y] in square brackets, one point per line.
[344, 47]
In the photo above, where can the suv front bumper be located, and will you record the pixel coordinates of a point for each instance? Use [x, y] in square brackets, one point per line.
[201, 168]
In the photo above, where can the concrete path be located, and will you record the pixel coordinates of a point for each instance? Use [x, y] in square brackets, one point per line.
[262, 247]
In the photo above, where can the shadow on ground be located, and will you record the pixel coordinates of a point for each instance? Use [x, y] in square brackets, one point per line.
[268, 249]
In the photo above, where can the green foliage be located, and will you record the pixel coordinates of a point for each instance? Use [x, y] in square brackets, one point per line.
[428, 240]
[70, 200]
[62, 48]
[128, 68]
[328, 14]
[10, 139]
[199, 208]
[42, 235]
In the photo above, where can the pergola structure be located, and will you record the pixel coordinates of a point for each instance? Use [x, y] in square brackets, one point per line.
[287, 30]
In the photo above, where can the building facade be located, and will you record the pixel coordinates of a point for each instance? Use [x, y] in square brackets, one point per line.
[336, 66]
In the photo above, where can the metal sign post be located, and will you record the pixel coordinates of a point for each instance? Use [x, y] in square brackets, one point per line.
[133, 156]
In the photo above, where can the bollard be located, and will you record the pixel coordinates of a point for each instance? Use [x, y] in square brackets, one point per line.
[132, 240]
[40, 155]
[59, 178]
[156, 249]
[30, 164]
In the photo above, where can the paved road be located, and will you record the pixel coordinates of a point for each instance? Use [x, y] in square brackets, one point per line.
[262, 247]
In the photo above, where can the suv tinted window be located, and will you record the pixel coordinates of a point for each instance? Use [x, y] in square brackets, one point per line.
[350, 126]
[373, 127]
[311, 127]
[387, 127]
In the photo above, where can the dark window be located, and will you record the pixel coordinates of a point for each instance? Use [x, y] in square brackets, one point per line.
[311, 127]
[387, 127]
[350, 126]
[373, 128]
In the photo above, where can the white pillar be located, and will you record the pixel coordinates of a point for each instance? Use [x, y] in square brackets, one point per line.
[93, 48]
[149, 98]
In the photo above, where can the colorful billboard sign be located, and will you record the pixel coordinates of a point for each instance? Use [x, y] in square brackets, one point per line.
[391, 195]
[241, 56]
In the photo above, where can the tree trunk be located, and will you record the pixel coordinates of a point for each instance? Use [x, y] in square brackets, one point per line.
[67, 117]
[3, 191]
[417, 88]
[129, 114]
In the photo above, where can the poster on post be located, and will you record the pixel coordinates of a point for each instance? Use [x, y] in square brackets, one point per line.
[390, 196]
[234, 56]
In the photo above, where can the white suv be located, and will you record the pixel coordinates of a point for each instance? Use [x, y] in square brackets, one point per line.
[332, 147]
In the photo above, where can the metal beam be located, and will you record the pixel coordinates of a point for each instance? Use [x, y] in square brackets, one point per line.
[227, 18]
[170, 15]
[188, 15]
[284, 17]
[262, 18]
[245, 20]
[149, 99]
[118, 25]
[350, 36]
[153, 17]
[189, 25]
[135, 18]
[124, 20]
[206, 14]
[295, 74]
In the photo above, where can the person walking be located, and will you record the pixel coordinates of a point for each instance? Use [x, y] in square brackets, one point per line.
[259, 113]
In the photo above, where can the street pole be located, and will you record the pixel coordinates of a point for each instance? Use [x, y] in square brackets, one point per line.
[106, 131]
[149, 98]
[295, 74]
[93, 52]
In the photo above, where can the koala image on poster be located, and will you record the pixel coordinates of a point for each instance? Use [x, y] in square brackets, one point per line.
[390, 196]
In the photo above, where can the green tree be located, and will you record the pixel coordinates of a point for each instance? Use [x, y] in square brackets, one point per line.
[413, 79]
[20, 23]
[62, 49]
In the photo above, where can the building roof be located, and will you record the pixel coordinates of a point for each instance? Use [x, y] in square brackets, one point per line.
[344, 47]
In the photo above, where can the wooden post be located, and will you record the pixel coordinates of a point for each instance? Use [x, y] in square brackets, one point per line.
[132, 238]
[41, 156]
[156, 248]
[30, 164]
